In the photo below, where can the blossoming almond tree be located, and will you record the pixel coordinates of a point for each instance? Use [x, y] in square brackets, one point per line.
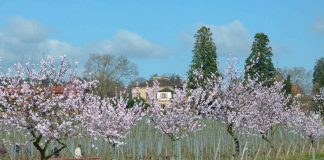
[43, 100]
[109, 118]
[176, 119]
[313, 128]
[243, 105]
[226, 100]
[267, 110]
[310, 125]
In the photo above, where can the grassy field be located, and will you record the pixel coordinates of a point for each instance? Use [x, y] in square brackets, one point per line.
[212, 142]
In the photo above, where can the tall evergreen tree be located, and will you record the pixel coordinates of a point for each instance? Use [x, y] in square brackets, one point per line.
[318, 75]
[259, 63]
[287, 85]
[204, 57]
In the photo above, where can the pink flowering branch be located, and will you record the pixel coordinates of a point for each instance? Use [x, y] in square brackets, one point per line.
[243, 105]
[44, 100]
[175, 119]
[109, 118]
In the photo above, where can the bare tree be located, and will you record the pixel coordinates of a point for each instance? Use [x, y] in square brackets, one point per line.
[111, 72]
[300, 76]
[173, 77]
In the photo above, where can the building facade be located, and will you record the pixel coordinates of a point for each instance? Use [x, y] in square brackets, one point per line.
[165, 93]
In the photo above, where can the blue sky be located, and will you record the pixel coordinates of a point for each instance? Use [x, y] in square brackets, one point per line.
[158, 36]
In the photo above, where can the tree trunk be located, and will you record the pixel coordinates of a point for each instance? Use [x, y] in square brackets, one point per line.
[236, 153]
[114, 154]
[38, 147]
[264, 137]
[42, 151]
[313, 149]
[43, 155]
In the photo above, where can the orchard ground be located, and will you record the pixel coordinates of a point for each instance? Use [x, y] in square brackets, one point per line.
[211, 142]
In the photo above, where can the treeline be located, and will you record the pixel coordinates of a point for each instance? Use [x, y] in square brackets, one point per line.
[116, 73]
[298, 81]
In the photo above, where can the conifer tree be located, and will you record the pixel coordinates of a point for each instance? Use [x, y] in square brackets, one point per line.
[318, 75]
[287, 85]
[259, 63]
[204, 58]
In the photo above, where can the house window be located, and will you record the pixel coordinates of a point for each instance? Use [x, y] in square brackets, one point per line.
[164, 96]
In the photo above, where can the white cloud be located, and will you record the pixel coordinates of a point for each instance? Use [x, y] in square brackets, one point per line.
[187, 40]
[24, 38]
[318, 25]
[232, 38]
[26, 31]
[128, 44]
[56, 47]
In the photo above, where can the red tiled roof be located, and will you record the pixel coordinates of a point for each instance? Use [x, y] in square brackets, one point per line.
[296, 89]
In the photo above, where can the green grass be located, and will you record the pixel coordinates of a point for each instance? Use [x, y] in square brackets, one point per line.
[317, 156]
[307, 156]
